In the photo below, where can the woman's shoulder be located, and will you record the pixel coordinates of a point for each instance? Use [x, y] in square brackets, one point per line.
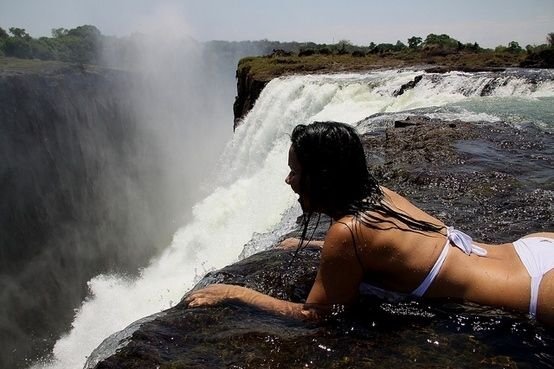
[349, 226]
[341, 234]
[350, 231]
[402, 205]
[341, 230]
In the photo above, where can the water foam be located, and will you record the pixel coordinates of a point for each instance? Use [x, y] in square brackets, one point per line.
[252, 194]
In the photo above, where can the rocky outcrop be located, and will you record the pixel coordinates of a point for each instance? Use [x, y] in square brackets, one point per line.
[407, 86]
[463, 68]
[494, 181]
[248, 90]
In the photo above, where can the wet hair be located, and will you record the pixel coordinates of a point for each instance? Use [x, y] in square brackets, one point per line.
[336, 179]
[334, 168]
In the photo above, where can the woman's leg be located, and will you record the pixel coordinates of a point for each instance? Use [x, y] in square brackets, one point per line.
[545, 309]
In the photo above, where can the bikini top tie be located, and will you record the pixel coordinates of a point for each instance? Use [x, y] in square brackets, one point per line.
[455, 238]
[464, 242]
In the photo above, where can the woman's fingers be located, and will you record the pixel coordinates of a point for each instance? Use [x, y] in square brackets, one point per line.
[199, 301]
[208, 296]
[289, 243]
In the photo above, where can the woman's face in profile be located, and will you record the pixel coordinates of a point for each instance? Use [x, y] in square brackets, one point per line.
[294, 178]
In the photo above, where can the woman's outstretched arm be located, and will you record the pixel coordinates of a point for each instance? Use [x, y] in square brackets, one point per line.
[217, 293]
[337, 282]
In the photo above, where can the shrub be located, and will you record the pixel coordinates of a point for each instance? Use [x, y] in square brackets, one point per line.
[17, 47]
[306, 52]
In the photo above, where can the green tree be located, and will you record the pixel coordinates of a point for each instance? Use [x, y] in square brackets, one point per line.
[414, 42]
[59, 32]
[514, 47]
[343, 46]
[80, 44]
[19, 33]
[86, 31]
[443, 40]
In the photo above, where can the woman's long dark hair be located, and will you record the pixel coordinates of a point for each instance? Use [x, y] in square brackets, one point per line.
[336, 179]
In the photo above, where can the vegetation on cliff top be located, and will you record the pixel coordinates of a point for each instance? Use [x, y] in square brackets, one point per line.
[84, 44]
[440, 50]
[80, 44]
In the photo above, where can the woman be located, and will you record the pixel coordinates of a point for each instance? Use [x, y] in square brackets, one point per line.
[379, 238]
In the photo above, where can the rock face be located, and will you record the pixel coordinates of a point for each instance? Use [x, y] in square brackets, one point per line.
[248, 90]
[493, 181]
[68, 148]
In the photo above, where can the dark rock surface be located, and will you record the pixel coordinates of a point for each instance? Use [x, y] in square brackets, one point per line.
[491, 179]
[467, 69]
[248, 91]
[407, 86]
[494, 181]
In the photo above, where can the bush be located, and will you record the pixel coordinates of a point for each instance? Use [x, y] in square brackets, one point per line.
[382, 48]
[17, 47]
[324, 51]
[306, 52]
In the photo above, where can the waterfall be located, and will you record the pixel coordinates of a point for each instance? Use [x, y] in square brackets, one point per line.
[251, 196]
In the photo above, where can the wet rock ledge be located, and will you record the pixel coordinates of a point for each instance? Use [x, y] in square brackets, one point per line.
[494, 181]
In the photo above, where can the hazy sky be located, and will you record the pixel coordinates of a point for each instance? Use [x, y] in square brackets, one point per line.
[488, 22]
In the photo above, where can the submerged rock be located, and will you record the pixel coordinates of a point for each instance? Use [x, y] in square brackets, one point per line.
[494, 181]
[407, 86]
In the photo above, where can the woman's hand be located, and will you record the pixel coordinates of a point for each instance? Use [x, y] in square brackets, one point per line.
[289, 243]
[212, 295]
[293, 243]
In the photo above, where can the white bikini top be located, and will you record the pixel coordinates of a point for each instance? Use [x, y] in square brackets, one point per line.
[455, 238]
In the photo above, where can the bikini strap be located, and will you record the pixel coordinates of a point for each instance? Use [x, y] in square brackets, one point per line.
[354, 245]
[458, 239]
[422, 288]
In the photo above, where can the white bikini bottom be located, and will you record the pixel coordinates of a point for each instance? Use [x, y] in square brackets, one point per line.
[537, 254]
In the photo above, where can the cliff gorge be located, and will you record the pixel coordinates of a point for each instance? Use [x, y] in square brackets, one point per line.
[76, 179]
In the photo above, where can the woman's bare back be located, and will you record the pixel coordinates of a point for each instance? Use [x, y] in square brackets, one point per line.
[400, 259]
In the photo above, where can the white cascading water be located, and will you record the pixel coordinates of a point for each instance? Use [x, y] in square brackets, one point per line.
[252, 196]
